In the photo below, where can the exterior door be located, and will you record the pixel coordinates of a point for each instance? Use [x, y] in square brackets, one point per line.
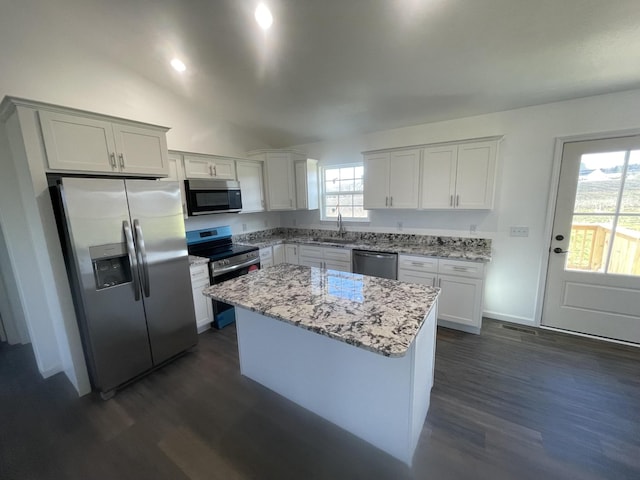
[593, 277]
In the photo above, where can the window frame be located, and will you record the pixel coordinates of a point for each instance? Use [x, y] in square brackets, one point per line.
[323, 193]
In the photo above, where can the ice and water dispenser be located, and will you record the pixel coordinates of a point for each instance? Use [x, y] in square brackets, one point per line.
[111, 265]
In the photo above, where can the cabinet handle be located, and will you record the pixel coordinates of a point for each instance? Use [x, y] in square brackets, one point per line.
[210, 171]
[451, 200]
[121, 156]
[461, 269]
[386, 201]
[290, 202]
[215, 171]
[457, 200]
[391, 201]
[113, 161]
[417, 264]
[439, 283]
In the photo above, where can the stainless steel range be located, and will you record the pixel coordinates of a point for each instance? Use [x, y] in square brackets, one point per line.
[226, 261]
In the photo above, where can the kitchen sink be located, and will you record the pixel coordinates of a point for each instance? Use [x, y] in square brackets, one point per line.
[342, 241]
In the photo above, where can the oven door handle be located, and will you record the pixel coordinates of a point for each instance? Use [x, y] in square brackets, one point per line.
[253, 261]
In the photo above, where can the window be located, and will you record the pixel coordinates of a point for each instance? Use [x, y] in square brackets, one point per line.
[605, 232]
[342, 192]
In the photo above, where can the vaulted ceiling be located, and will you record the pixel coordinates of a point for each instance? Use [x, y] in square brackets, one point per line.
[332, 68]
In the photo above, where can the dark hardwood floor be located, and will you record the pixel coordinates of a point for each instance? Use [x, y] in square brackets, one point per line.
[506, 405]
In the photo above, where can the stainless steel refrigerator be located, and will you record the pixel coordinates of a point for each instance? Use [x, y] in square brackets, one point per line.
[126, 255]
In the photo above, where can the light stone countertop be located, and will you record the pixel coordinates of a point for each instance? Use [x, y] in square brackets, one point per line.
[452, 251]
[376, 314]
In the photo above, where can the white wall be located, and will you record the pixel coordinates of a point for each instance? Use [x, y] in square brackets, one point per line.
[525, 166]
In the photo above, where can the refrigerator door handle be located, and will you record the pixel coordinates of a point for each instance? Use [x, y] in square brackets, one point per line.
[132, 259]
[143, 258]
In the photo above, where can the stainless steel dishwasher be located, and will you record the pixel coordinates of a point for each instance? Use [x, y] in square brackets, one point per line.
[376, 264]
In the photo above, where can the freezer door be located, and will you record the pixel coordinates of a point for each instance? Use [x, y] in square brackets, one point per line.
[111, 320]
[158, 223]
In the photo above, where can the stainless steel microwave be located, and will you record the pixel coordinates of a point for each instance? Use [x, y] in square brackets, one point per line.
[212, 196]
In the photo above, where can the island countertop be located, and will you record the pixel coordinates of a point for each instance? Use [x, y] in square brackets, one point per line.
[376, 314]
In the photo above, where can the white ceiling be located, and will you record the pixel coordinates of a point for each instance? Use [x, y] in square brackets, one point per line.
[332, 68]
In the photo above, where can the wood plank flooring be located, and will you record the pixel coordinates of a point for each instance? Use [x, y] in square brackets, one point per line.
[506, 404]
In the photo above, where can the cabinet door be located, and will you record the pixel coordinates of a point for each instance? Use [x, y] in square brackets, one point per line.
[198, 167]
[337, 265]
[176, 174]
[251, 186]
[376, 180]
[291, 254]
[404, 179]
[224, 169]
[311, 262]
[460, 300]
[280, 182]
[78, 143]
[278, 254]
[141, 150]
[203, 308]
[475, 175]
[306, 172]
[438, 180]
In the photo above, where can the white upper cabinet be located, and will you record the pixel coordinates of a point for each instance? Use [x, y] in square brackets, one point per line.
[475, 176]
[74, 142]
[459, 176]
[391, 179]
[306, 173]
[209, 166]
[251, 185]
[176, 174]
[290, 178]
[281, 190]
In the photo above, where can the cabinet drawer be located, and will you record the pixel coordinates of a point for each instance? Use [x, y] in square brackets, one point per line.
[413, 276]
[338, 254]
[461, 268]
[417, 264]
[311, 251]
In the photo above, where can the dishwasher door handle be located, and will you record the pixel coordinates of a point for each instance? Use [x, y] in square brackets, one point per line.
[374, 255]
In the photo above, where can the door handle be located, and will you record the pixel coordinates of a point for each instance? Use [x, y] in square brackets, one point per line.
[559, 250]
[143, 258]
[133, 260]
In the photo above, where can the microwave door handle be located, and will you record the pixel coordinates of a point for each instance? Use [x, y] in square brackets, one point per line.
[133, 261]
[143, 258]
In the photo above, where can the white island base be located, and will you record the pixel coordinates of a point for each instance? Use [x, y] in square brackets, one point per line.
[383, 400]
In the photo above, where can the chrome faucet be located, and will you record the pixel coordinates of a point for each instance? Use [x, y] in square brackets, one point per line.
[341, 229]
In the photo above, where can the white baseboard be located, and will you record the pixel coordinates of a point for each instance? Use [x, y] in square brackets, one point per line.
[510, 318]
[51, 371]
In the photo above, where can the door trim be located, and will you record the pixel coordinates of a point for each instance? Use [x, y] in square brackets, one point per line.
[548, 227]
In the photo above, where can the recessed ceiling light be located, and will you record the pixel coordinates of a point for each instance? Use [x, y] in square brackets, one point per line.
[263, 16]
[178, 65]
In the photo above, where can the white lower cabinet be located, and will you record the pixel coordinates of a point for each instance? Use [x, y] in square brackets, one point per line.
[325, 257]
[461, 283]
[266, 257]
[278, 254]
[202, 304]
[291, 254]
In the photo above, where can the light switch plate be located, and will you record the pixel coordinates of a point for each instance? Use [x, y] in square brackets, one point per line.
[519, 232]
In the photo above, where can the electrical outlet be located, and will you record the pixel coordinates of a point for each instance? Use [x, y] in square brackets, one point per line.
[473, 228]
[519, 232]
[399, 226]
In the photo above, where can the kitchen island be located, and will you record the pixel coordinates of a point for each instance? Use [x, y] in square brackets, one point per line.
[356, 350]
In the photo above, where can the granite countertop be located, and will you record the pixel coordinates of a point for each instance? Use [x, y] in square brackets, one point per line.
[475, 253]
[376, 314]
[194, 260]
